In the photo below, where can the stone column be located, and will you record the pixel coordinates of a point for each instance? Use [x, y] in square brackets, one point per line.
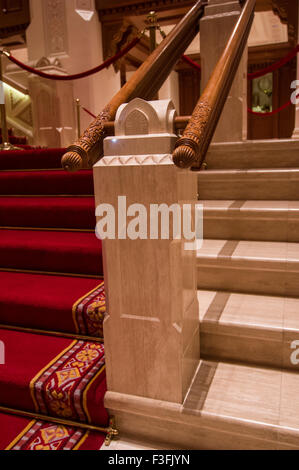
[152, 328]
[52, 101]
[215, 29]
[67, 32]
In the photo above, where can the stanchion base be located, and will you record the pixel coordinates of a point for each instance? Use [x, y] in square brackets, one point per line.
[7, 146]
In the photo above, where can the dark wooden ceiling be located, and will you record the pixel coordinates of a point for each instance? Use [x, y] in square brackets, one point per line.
[14, 20]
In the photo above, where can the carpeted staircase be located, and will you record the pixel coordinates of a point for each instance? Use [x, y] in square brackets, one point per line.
[52, 304]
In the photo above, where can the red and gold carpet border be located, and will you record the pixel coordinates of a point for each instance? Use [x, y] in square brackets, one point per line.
[61, 387]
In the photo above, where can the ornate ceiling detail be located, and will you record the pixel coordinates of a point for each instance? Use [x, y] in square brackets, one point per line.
[117, 36]
[14, 20]
[121, 18]
[287, 10]
[108, 8]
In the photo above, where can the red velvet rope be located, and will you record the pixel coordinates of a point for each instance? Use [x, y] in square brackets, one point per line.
[275, 111]
[89, 112]
[191, 62]
[258, 73]
[271, 113]
[276, 65]
[104, 65]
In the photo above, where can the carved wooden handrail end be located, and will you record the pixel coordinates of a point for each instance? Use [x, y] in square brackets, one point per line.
[185, 153]
[145, 83]
[72, 160]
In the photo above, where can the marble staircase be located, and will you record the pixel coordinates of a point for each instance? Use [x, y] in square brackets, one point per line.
[248, 281]
[245, 392]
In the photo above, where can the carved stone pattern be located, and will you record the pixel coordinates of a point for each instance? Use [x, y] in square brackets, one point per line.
[55, 26]
[136, 123]
[133, 160]
[48, 62]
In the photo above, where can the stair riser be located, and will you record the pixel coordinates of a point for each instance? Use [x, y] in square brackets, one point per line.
[260, 347]
[253, 227]
[256, 281]
[61, 218]
[246, 187]
[248, 155]
[46, 183]
[184, 429]
[50, 261]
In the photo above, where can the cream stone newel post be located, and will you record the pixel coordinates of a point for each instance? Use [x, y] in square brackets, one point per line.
[152, 326]
[215, 29]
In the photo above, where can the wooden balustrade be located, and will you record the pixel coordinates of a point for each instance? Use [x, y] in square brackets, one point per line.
[145, 83]
[191, 149]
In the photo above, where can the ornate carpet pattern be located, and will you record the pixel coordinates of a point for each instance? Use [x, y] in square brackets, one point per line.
[61, 389]
[52, 303]
[89, 312]
[38, 435]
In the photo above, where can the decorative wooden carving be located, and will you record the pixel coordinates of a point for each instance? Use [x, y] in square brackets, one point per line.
[14, 17]
[193, 146]
[117, 36]
[112, 8]
[145, 83]
[287, 10]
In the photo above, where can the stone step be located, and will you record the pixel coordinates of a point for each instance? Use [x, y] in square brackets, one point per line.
[256, 185]
[249, 266]
[282, 153]
[252, 220]
[229, 407]
[251, 329]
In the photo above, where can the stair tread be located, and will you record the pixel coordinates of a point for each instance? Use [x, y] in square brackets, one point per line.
[238, 207]
[254, 251]
[250, 171]
[253, 397]
[30, 300]
[31, 159]
[52, 182]
[72, 438]
[33, 361]
[250, 312]
[48, 212]
[50, 251]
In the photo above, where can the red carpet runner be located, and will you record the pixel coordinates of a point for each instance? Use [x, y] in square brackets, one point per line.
[51, 293]
[23, 434]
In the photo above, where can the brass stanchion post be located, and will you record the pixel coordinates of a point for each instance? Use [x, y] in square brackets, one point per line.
[152, 26]
[5, 139]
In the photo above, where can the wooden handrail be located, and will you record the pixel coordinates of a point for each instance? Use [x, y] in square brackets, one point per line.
[145, 83]
[191, 149]
[180, 122]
